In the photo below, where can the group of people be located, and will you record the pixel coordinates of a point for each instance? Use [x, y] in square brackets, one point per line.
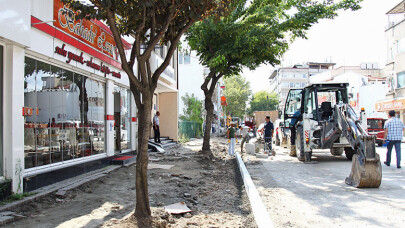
[231, 135]
[393, 133]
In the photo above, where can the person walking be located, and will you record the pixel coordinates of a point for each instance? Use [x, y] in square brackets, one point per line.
[268, 132]
[246, 137]
[231, 139]
[393, 132]
[156, 128]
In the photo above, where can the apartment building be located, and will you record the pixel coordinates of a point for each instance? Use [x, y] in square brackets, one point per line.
[395, 65]
[191, 77]
[285, 78]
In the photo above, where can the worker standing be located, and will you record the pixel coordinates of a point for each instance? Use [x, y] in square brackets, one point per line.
[268, 132]
[231, 139]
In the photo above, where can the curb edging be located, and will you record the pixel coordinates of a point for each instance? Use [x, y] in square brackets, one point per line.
[260, 213]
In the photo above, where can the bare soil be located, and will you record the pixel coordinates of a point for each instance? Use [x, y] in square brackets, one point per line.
[212, 189]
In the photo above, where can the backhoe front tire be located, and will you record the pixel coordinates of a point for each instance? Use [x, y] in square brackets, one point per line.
[336, 151]
[349, 153]
[299, 144]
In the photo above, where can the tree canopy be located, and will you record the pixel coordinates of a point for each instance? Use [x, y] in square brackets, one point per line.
[263, 101]
[192, 109]
[256, 32]
[151, 23]
[237, 92]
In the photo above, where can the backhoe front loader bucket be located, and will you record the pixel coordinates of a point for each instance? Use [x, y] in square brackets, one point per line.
[365, 174]
[366, 166]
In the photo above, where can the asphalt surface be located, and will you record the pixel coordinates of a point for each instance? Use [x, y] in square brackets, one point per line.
[315, 195]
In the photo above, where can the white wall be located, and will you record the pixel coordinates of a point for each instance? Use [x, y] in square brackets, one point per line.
[190, 80]
[15, 21]
[369, 95]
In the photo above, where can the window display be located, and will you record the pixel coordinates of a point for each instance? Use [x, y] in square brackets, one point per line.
[66, 114]
[122, 137]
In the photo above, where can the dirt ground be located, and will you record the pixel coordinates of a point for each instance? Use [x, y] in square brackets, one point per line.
[213, 190]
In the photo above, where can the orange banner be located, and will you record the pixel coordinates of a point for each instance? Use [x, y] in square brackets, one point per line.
[87, 31]
[390, 105]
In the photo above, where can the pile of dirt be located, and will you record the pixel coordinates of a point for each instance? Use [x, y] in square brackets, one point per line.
[212, 189]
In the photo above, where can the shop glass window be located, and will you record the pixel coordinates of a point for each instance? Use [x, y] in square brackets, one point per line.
[1, 108]
[401, 79]
[122, 122]
[180, 58]
[125, 119]
[60, 120]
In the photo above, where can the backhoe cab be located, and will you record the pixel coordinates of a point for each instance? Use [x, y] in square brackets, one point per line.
[320, 117]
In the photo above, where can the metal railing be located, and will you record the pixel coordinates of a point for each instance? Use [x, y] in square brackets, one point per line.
[190, 129]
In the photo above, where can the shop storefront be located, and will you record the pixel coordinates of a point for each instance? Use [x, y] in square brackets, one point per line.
[398, 105]
[66, 101]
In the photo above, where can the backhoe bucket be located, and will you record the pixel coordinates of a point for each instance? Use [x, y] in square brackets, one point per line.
[365, 173]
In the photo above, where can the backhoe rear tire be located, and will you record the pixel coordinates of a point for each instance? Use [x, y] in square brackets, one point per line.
[349, 153]
[299, 144]
[336, 151]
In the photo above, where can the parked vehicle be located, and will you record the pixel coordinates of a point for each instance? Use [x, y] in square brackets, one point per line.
[249, 124]
[280, 133]
[375, 126]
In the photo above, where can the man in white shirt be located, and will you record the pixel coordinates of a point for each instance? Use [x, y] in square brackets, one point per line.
[156, 127]
[246, 137]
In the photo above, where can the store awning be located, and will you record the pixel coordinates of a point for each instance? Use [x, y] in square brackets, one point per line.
[400, 8]
[392, 104]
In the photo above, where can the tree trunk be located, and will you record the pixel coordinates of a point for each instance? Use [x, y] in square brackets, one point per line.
[142, 209]
[209, 107]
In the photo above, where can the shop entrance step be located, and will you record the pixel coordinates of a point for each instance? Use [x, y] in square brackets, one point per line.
[124, 160]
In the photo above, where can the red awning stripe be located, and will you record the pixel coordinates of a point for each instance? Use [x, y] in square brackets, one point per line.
[50, 30]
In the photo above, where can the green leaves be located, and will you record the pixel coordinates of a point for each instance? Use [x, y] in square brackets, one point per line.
[259, 32]
[237, 92]
[192, 109]
[263, 101]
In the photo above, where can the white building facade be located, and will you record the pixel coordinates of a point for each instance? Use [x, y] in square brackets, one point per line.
[395, 65]
[285, 78]
[191, 77]
[65, 99]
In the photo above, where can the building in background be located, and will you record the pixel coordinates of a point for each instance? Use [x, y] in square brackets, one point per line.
[191, 77]
[395, 65]
[285, 78]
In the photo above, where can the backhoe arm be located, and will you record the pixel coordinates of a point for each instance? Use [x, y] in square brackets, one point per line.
[366, 166]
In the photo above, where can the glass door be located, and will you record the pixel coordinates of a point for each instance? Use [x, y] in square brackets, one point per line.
[122, 136]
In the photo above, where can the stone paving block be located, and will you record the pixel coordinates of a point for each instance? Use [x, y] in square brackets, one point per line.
[262, 156]
[250, 148]
[6, 219]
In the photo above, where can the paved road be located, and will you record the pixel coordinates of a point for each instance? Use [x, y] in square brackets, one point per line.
[315, 195]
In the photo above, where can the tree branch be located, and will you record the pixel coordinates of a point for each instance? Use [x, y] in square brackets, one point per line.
[153, 41]
[170, 52]
[121, 51]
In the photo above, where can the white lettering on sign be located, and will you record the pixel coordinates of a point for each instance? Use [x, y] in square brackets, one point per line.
[67, 19]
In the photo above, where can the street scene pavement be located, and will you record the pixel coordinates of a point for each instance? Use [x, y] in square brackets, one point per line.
[315, 195]
[211, 189]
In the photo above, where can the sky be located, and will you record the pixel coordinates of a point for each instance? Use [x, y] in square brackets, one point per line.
[349, 39]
